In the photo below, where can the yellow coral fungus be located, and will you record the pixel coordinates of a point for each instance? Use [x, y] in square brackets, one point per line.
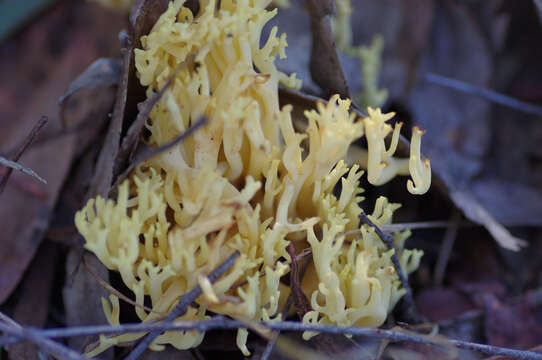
[246, 181]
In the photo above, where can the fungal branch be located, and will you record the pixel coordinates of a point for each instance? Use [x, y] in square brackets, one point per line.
[420, 170]
[379, 161]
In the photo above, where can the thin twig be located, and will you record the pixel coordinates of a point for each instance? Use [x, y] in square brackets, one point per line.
[446, 248]
[182, 306]
[26, 143]
[30, 137]
[301, 304]
[437, 224]
[270, 345]
[388, 240]
[13, 329]
[14, 165]
[147, 153]
[220, 322]
[275, 335]
[486, 94]
[8, 320]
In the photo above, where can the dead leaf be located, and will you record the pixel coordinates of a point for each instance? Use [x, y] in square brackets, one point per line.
[143, 16]
[88, 115]
[494, 21]
[468, 327]
[110, 289]
[103, 72]
[32, 310]
[62, 228]
[481, 288]
[442, 303]
[474, 211]
[25, 218]
[512, 326]
[81, 292]
[512, 203]
[81, 296]
[475, 265]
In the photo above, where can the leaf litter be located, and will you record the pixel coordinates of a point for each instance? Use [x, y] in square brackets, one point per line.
[447, 39]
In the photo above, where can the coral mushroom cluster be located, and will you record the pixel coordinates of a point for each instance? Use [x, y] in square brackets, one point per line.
[247, 181]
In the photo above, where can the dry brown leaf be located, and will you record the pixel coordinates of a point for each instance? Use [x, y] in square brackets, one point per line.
[82, 296]
[474, 211]
[81, 292]
[103, 72]
[440, 304]
[521, 328]
[33, 310]
[26, 206]
[511, 203]
[25, 217]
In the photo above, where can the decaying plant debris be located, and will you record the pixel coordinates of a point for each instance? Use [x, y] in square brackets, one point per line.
[103, 131]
